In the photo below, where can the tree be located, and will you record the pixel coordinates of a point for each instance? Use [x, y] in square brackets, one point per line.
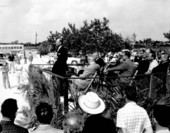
[44, 48]
[167, 35]
[15, 42]
[93, 36]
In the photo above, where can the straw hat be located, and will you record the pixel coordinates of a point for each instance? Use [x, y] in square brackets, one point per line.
[91, 103]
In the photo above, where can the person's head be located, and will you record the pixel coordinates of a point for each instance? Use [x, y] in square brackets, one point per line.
[147, 51]
[161, 115]
[91, 58]
[91, 103]
[96, 55]
[126, 55]
[73, 122]
[164, 57]
[18, 61]
[44, 113]
[58, 42]
[152, 55]
[130, 93]
[9, 108]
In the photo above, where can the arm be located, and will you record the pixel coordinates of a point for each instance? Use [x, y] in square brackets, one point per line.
[148, 72]
[147, 125]
[122, 130]
[122, 66]
[148, 130]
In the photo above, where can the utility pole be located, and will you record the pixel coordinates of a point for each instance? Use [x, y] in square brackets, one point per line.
[36, 38]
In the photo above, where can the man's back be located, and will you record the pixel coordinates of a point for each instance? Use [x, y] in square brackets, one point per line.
[99, 124]
[143, 66]
[128, 71]
[133, 118]
[9, 127]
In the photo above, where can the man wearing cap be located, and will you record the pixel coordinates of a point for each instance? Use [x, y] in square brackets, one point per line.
[132, 118]
[94, 106]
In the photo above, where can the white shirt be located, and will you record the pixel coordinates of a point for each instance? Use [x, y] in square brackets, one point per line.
[133, 118]
[47, 129]
[152, 65]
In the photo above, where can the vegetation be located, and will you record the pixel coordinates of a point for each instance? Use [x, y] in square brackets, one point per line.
[93, 36]
[167, 35]
[40, 89]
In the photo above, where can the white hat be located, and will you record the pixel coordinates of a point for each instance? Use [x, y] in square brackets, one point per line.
[91, 103]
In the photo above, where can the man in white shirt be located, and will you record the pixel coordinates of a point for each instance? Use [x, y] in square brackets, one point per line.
[132, 118]
[153, 62]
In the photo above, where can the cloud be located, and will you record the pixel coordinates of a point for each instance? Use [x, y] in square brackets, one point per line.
[20, 19]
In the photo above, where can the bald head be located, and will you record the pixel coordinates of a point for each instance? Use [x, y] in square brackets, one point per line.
[58, 42]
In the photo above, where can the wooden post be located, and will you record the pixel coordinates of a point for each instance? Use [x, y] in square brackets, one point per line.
[168, 84]
[65, 87]
[150, 86]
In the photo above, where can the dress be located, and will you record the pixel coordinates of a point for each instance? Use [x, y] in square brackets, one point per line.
[5, 77]
[18, 69]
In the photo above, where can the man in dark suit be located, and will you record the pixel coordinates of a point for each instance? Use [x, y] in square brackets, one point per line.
[60, 66]
[8, 110]
[161, 71]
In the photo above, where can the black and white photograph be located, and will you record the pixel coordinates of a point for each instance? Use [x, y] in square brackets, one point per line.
[84, 66]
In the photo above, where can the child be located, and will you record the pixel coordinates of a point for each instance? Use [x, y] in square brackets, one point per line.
[5, 77]
[18, 70]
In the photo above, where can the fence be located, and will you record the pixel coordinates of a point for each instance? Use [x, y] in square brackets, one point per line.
[148, 86]
[151, 89]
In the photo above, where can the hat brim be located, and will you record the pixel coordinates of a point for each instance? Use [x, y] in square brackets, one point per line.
[98, 110]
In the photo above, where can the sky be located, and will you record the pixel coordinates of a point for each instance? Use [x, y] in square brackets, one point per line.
[22, 19]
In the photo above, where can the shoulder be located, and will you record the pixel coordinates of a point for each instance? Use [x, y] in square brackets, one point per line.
[121, 111]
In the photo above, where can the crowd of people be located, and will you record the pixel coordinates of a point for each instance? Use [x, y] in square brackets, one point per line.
[94, 115]
[12, 65]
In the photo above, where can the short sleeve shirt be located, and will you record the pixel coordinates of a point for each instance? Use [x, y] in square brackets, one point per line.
[152, 65]
[133, 117]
